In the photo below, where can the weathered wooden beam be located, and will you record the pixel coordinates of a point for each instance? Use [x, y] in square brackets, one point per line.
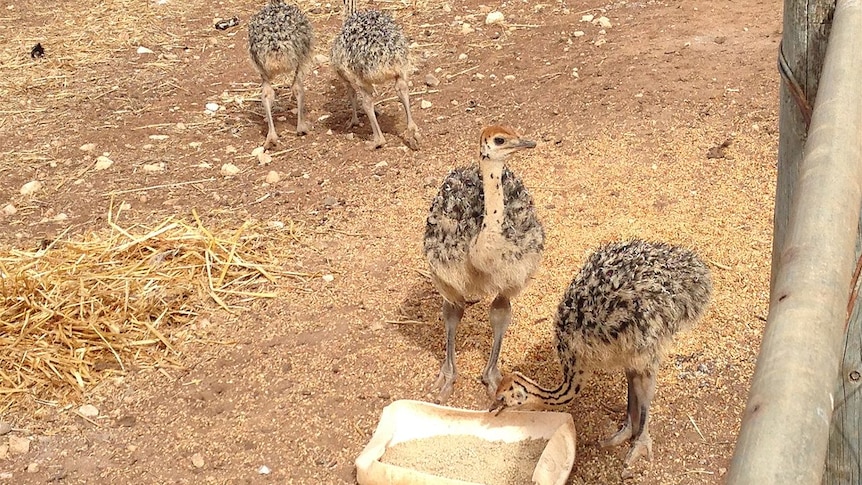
[785, 428]
[844, 456]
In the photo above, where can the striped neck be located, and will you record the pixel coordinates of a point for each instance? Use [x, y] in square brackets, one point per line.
[559, 397]
[349, 8]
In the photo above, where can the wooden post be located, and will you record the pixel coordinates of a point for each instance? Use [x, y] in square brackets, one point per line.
[800, 60]
[843, 460]
[787, 421]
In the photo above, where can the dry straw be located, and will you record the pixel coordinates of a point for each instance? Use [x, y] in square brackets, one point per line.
[87, 307]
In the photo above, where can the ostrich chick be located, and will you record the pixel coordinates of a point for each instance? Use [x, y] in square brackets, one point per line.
[621, 311]
[482, 238]
[280, 41]
[371, 49]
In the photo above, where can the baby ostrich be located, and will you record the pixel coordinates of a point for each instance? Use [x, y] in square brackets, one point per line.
[621, 311]
[482, 238]
[371, 49]
[280, 39]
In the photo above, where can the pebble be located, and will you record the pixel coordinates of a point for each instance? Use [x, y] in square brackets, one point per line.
[429, 181]
[195, 144]
[603, 21]
[264, 470]
[31, 187]
[229, 169]
[272, 177]
[230, 149]
[4, 452]
[264, 158]
[467, 28]
[321, 59]
[509, 77]
[462, 57]
[494, 18]
[578, 33]
[330, 201]
[159, 137]
[328, 278]
[425, 104]
[154, 167]
[32, 468]
[197, 460]
[88, 411]
[144, 50]
[212, 107]
[257, 151]
[5, 428]
[381, 164]
[10, 210]
[102, 163]
[431, 80]
[5, 475]
[88, 147]
[18, 445]
[587, 18]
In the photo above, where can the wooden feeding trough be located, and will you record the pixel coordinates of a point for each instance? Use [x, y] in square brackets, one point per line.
[419, 443]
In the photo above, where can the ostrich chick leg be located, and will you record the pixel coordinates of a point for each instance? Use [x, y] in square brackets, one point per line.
[644, 388]
[632, 415]
[500, 316]
[452, 314]
[268, 99]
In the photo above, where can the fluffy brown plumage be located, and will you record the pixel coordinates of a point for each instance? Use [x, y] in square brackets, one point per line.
[622, 310]
[482, 237]
[371, 49]
[280, 40]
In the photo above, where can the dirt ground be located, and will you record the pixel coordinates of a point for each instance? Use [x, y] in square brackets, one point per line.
[629, 146]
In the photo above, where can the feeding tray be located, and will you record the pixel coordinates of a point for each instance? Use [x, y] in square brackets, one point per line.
[430, 437]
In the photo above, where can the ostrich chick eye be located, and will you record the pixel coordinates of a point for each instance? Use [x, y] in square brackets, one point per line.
[498, 140]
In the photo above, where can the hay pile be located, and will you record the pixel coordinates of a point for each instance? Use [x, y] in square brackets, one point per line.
[81, 309]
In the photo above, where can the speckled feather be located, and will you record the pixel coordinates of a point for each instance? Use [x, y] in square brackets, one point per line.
[457, 213]
[280, 39]
[371, 44]
[626, 304]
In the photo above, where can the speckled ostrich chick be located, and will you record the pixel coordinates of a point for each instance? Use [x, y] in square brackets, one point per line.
[621, 311]
[482, 238]
[371, 49]
[280, 40]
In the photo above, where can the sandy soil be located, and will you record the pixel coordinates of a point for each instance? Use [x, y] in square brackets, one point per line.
[628, 147]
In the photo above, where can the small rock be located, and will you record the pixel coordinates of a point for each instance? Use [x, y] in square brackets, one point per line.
[257, 151]
[212, 107]
[5, 428]
[4, 451]
[5, 475]
[321, 59]
[180, 126]
[600, 42]
[154, 167]
[102, 163]
[447, 8]
[323, 117]
[230, 149]
[159, 137]
[9, 210]
[328, 278]
[494, 18]
[272, 177]
[264, 158]
[578, 33]
[126, 421]
[144, 50]
[87, 147]
[462, 57]
[467, 29]
[425, 104]
[18, 445]
[88, 411]
[197, 460]
[429, 181]
[229, 169]
[604, 22]
[195, 144]
[587, 18]
[329, 201]
[33, 468]
[264, 470]
[431, 80]
[31, 187]
[509, 77]
[60, 217]
[720, 40]
[381, 164]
